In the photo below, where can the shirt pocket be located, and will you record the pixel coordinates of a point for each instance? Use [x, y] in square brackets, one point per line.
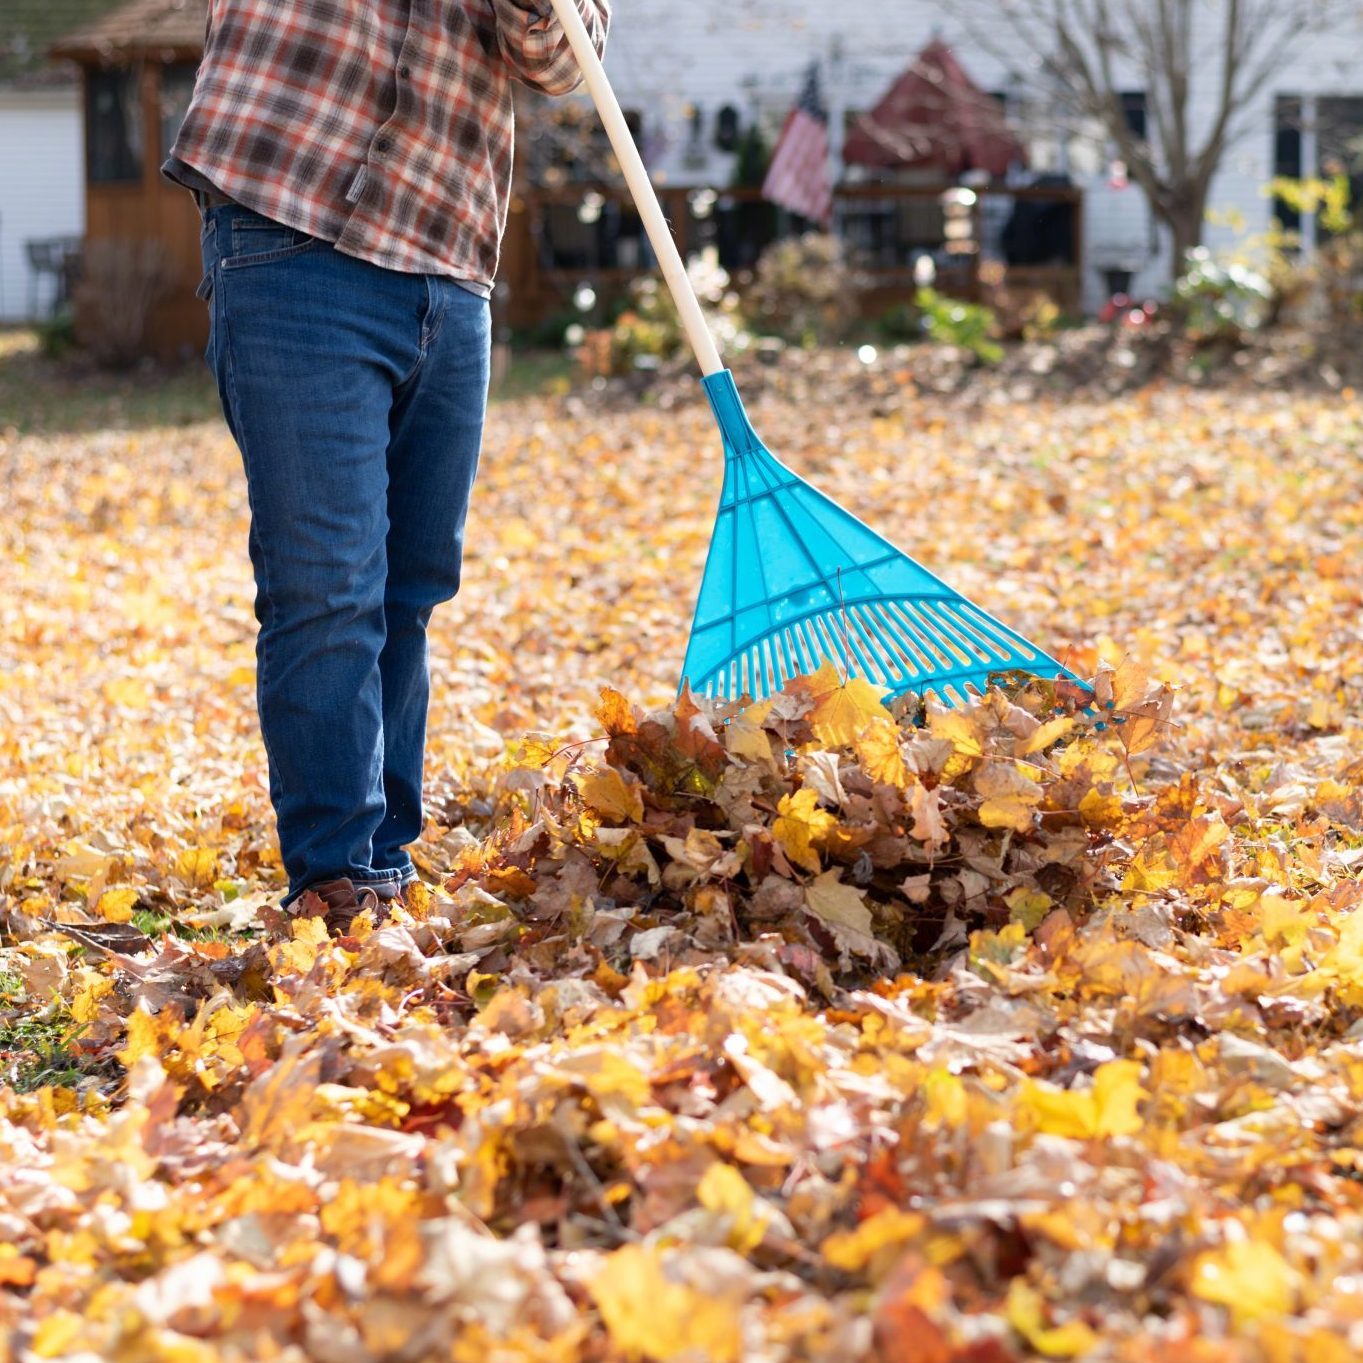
[258, 241]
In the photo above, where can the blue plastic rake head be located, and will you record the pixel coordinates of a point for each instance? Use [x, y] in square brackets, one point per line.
[792, 580]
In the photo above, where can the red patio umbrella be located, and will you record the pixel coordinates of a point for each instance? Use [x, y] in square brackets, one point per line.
[934, 116]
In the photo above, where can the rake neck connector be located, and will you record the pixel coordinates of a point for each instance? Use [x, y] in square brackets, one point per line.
[739, 436]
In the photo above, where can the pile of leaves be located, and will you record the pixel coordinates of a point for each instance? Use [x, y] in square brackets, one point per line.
[804, 1030]
[813, 822]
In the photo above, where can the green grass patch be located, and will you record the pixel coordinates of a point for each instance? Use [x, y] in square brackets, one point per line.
[36, 1052]
[534, 373]
[42, 395]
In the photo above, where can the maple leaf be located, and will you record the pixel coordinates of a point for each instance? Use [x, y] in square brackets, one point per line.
[1026, 1314]
[651, 1316]
[723, 1189]
[799, 824]
[1248, 1277]
[1010, 796]
[842, 910]
[615, 714]
[842, 714]
[888, 1229]
[1109, 1108]
[606, 791]
[878, 751]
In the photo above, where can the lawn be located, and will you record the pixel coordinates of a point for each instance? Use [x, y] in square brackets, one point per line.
[805, 1036]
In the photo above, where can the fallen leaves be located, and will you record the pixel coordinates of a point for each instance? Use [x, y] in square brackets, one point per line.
[788, 1031]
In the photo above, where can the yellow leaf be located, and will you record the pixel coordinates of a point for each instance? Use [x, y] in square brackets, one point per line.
[649, 1316]
[55, 1334]
[946, 1099]
[85, 1000]
[197, 866]
[116, 906]
[852, 1250]
[1130, 682]
[957, 727]
[616, 713]
[1028, 906]
[1008, 813]
[878, 751]
[1050, 732]
[148, 1034]
[1250, 1278]
[1100, 809]
[799, 824]
[1343, 963]
[1283, 921]
[131, 692]
[1010, 796]
[1144, 722]
[607, 792]
[1026, 1314]
[1006, 781]
[1106, 1109]
[841, 715]
[743, 738]
[723, 1189]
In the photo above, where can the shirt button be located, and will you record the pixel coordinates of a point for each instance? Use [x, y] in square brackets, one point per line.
[405, 72]
[381, 144]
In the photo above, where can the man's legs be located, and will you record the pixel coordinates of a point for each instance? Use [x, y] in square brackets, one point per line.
[308, 347]
[436, 431]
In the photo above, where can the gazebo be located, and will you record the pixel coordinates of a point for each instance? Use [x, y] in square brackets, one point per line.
[137, 66]
[934, 117]
[939, 139]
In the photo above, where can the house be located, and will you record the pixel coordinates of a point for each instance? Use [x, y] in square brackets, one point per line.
[697, 82]
[694, 72]
[42, 209]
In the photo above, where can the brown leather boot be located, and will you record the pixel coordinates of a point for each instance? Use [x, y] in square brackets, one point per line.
[338, 903]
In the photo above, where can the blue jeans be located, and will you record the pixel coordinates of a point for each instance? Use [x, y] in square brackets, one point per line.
[356, 395]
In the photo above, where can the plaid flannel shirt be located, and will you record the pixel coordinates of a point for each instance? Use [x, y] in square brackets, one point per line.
[383, 126]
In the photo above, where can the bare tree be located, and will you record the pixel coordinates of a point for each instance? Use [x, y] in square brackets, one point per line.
[1202, 64]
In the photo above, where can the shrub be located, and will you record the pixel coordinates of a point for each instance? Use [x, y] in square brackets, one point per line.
[1335, 273]
[1220, 302]
[649, 331]
[803, 290]
[122, 280]
[968, 326]
[900, 322]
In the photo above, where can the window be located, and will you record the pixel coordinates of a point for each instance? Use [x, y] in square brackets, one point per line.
[113, 126]
[177, 85]
[1133, 111]
[1339, 140]
[1287, 121]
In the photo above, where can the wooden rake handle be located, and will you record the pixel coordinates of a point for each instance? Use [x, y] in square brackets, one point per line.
[641, 188]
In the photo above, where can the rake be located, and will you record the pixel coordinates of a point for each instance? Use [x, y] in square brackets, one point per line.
[792, 580]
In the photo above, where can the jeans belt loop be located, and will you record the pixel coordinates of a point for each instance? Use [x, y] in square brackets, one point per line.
[209, 198]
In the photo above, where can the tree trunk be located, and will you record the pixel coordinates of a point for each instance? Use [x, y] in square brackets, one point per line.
[1185, 217]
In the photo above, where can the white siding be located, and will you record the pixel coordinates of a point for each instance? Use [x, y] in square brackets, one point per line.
[41, 187]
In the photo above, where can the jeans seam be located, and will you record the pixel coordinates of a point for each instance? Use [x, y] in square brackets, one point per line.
[429, 331]
[264, 587]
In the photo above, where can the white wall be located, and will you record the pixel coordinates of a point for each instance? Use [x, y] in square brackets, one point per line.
[41, 186]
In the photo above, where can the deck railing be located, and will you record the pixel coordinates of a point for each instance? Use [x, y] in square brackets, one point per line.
[565, 237]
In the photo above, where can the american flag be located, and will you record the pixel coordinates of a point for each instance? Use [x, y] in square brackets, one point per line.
[798, 178]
